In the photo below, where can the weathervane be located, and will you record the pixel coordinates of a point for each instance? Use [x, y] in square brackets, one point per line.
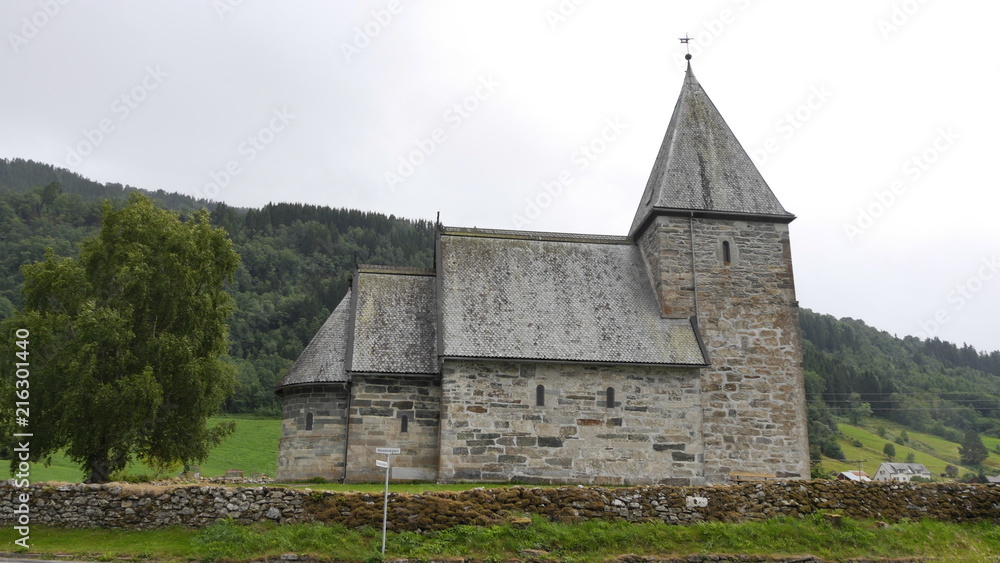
[687, 43]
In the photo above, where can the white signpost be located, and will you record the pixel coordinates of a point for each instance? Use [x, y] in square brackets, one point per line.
[385, 501]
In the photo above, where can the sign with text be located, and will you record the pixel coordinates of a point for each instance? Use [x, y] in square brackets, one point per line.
[387, 450]
[381, 463]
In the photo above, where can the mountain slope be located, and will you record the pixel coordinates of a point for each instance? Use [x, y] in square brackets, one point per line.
[296, 261]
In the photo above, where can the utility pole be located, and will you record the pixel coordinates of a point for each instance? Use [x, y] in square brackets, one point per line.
[857, 461]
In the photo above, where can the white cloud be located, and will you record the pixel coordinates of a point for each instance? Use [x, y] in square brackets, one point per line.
[354, 118]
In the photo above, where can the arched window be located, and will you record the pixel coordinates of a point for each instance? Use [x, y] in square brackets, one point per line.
[309, 421]
[610, 399]
[540, 396]
[727, 256]
[404, 424]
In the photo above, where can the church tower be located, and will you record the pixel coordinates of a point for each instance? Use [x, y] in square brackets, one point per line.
[715, 241]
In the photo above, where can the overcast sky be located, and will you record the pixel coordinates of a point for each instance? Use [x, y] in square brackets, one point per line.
[873, 121]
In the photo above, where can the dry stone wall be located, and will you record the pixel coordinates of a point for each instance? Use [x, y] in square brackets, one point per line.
[139, 507]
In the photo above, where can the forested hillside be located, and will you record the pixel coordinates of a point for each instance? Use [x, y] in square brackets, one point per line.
[854, 370]
[296, 260]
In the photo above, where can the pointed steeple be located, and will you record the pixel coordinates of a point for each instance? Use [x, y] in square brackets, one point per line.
[702, 169]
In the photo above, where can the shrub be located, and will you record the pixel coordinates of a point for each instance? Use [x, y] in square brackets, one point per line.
[123, 477]
[889, 450]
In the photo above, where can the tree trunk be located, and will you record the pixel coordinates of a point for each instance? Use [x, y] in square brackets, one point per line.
[98, 465]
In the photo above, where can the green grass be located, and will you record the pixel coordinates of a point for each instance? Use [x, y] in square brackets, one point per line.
[934, 452]
[253, 448]
[583, 542]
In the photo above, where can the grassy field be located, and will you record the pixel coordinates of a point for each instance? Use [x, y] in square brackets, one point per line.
[253, 448]
[582, 542]
[934, 452]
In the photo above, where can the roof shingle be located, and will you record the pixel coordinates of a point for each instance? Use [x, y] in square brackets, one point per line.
[322, 360]
[553, 299]
[702, 167]
[394, 322]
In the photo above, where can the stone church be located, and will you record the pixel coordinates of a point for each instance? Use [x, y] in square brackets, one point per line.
[671, 355]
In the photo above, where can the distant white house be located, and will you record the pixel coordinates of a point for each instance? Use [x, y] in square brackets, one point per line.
[903, 472]
[853, 476]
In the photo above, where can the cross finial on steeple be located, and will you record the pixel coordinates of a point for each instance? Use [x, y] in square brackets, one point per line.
[687, 42]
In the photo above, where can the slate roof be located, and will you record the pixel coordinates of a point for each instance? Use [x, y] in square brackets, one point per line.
[518, 295]
[522, 295]
[701, 166]
[902, 468]
[322, 360]
[394, 321]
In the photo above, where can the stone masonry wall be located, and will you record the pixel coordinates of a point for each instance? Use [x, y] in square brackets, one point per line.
[666, 249]
[755, 415]
[493, 430]
[378, 404]
[753, 393]
[319, 452]
[138, 507]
